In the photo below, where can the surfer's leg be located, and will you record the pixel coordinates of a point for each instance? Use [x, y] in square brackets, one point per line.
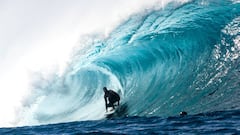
[112, 105]
[109, 105]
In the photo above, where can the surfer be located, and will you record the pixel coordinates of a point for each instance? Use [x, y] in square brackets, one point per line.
[183, 113]
[110, 98]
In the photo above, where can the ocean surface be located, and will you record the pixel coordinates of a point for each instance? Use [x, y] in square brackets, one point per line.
[182, 57]
[225, 122]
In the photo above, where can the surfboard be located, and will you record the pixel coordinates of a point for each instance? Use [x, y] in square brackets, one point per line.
[119, 111]
[109, 113]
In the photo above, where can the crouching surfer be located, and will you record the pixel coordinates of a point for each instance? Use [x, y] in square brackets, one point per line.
[110, 98]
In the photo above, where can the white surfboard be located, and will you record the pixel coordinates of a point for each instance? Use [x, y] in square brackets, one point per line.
[111, 111]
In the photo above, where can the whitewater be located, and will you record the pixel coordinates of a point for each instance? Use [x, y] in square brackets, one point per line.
[183, 56]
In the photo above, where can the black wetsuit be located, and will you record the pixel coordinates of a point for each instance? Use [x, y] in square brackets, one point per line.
[113, 97]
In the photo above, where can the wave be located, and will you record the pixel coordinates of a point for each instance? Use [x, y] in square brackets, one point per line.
[161, 61]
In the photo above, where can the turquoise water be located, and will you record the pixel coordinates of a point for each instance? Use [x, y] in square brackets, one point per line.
[161, 61]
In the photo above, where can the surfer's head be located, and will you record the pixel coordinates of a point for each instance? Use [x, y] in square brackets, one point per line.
[105, 89]
[183, 113]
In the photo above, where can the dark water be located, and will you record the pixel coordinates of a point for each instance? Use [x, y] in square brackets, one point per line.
[222, 122]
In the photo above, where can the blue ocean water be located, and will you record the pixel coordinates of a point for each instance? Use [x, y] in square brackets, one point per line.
[183, 57]
[225, 122]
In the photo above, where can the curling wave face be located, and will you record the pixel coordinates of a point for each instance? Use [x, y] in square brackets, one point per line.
[181, 57]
